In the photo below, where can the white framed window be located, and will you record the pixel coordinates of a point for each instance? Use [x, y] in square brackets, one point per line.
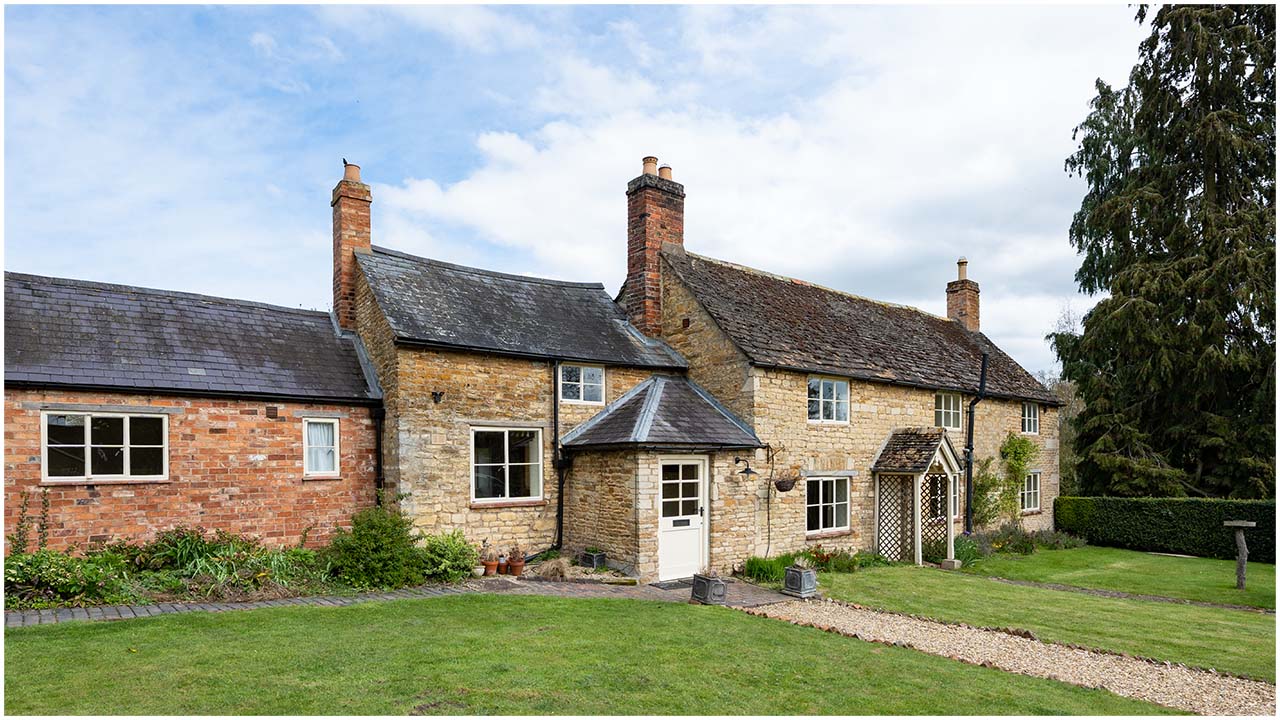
[828, 400]
[955, 496]
[827, 504]
[938, 489]
[1030, 418]
[582, 384]
[506, 464]
[1029, 497]
[85, 446]
[946, 410]
[320, 447]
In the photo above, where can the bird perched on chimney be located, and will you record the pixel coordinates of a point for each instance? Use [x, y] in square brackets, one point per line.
[344, 162]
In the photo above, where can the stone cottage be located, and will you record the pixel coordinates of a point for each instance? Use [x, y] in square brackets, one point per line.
[708, 413]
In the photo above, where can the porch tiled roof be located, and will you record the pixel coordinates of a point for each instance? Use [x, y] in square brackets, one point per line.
[451, 306]
[910, 450]
[786, 323]
[663, 411]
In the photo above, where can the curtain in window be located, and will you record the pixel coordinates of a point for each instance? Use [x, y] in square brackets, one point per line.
[320, 443]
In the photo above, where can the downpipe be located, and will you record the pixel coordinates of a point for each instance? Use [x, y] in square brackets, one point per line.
[968, 449]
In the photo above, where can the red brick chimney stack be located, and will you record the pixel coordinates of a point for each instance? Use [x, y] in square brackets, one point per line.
[962, 298]
[351, 234]
[655, 215]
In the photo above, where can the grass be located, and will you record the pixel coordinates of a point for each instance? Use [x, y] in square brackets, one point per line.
[1236, 641]
[488, 654]
[1201, 579]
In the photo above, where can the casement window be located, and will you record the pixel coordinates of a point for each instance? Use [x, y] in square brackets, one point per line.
[827, 504]
[84, 446]
[320, 447]
[506, 464]
[938, 489]
[582, 384]
[955, 495]
[1030, 419]
[1029, 497]
[946, 411]
[828, 400]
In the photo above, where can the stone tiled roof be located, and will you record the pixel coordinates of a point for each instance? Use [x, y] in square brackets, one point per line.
[786, 323]
[664, 410]
[89, 334]
[910, 450]
[451, 306]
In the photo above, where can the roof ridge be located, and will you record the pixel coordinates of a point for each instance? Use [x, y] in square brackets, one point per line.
[106, 286]
[378, 249]
[806, 283]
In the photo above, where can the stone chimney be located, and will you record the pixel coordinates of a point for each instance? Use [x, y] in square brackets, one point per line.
[655, 215]
[351, 234]
[962, 298]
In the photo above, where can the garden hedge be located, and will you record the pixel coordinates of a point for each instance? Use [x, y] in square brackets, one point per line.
[1189, 526]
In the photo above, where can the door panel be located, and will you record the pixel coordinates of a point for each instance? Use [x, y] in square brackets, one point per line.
[682, 519]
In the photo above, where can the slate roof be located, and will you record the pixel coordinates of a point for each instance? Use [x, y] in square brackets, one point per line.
[444, 305]
[786, 323]
[90, 334]
[910, 450]
[664, 410]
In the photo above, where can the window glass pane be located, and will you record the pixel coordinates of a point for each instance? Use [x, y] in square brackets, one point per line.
[319, 459]
[828, 516]
[571, 373]
[670, 508]
[813, 520]
[147, 461]
[146, 431]
[670, 472]
[815, 413]
[66, 430]
[842, 515]
[812, 492]
[106, 431]
[937, 402]
[828, 390]
[522, 481]
[689, 472]
[66, 461]
[670, 490]
[489, 481]
[107, 461]
[593, 375]
[842, 411]
[815, 388]
[828, 410]
[690, 489]
[689, 507]
[524, 446]
[320, 435]
[593, 393]
[488, 447]
[571, 391]
[842, 490]
[842, 391]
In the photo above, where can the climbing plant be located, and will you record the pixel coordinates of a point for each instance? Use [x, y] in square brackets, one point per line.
[1017, 452]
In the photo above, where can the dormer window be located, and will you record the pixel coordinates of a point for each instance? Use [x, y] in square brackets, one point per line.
[582, 384]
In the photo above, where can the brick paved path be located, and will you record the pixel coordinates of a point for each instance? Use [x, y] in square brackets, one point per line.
[740, 595]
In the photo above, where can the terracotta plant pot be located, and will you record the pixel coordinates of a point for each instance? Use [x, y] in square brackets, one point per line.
[515, 568]
[502, 567]
[491, 568]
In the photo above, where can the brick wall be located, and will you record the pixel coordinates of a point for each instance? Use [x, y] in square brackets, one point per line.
[230, 467]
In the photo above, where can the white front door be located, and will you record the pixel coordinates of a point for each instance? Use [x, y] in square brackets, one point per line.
[682, 539]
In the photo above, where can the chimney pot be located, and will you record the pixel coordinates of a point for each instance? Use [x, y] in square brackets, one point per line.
[962, 266]
[650, 165]
[351, 172]
[664, 172]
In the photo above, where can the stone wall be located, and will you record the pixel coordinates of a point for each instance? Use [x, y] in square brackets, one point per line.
[600, 508]
[231, 467]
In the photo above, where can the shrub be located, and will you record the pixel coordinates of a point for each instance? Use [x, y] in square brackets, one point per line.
[934, 551]
[1017, 452]
[767, 569]
[1009, 538]
[448, 556]
[379, 551]
[47, 578]
[967, 550]
[1190, 526]
[1056, 540]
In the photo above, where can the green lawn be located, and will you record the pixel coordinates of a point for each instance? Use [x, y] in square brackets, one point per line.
[1130, 571]
[1238, 641]
[488, 654]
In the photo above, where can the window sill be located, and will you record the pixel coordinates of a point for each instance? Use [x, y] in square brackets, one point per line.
[582, 402]
[499, 504]
[320, 478]
[827, 534]
[1032, 512]
[112, 481]
[836, 423]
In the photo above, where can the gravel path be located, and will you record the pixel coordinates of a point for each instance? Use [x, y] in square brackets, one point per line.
[1176, 686]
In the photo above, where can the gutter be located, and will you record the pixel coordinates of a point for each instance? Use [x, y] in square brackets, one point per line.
[609, 362]
[968, 450]
[835, 372]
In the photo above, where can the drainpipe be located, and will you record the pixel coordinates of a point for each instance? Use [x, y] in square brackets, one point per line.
[968, 449]
[558, 461]
[379, 481]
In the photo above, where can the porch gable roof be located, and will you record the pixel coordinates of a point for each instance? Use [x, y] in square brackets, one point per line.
[912, 451]
[664, 410]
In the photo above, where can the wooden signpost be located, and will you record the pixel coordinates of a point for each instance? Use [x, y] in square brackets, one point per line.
[1242, 550]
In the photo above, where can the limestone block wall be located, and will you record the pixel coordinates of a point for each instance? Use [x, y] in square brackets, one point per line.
[600, 507]
[715, 362]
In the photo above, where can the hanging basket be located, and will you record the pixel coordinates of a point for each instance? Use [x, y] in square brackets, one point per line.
[785, 484]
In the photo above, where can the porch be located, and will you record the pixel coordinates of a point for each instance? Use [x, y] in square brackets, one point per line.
[916, 479]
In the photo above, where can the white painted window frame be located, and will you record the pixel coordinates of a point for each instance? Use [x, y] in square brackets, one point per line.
[337, 452]
[88, 475]
[560, 383]
[848, 401]
[1032, 419]
[940, 414]
[1032, 479]
[506, 465]
[955, 495]
[808, 503]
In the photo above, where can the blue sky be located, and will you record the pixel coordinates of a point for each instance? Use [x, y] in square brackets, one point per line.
[864, 148]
